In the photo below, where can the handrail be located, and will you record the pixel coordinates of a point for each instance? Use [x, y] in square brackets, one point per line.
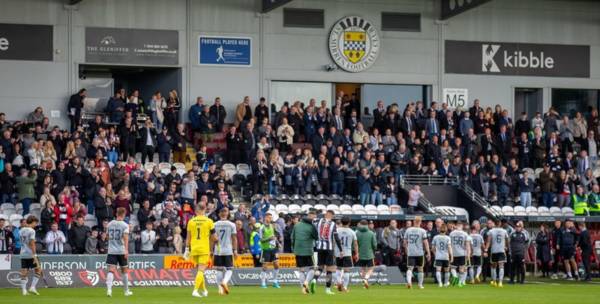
[477, 198]
[430, 180]
[423, 201]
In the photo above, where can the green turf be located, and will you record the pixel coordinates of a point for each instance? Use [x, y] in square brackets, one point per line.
[543, 293]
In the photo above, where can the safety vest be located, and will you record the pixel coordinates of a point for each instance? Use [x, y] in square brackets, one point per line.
[580, 206]
[594, 202]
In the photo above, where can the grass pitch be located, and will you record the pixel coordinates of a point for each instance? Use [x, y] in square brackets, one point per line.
[537, 292]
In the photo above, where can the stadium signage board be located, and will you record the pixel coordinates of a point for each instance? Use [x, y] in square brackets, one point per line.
[26, 42]
[65, 271]
[517, 59]
[131, 46]
[225, 51]
[354, 44]
[456, 98]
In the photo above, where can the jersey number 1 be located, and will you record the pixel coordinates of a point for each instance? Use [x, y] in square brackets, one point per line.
[198, 231]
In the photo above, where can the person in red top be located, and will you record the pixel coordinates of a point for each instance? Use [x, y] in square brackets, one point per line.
[63, 213]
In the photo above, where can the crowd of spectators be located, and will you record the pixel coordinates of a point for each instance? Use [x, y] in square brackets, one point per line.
[98, 166]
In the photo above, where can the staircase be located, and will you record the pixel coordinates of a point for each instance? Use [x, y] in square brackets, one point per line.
[408, 181]
[478, 200]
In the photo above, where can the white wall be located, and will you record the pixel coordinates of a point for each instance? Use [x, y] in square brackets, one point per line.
[295, 54]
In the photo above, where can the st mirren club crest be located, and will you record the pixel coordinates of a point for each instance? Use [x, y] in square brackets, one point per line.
[354, 44]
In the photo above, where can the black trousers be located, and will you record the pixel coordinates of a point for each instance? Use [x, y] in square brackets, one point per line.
[555, 262]
[389, 256]
[518, 268]
[586, 257]
[147, 151]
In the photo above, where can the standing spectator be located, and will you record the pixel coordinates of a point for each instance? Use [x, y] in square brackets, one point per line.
[195, 112]
[91, 244]
[163, 142]
[526, 186]
[207, 125]
[177, 241]
[260, 208]
[179, 144]
[116, 107]
[25, 184]
[243, 113]
[103, 243]
[262, 110]
[55, 240]
[240, 237]
[78, 235]
[413, 198]
[7, 239]
[544, 254]
[164, 236]
[74, 108]
[217, 110]
[102, 205]
[148, 239]
[148, 141]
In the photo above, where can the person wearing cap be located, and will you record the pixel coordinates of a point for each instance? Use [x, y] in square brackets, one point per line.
[519, 243]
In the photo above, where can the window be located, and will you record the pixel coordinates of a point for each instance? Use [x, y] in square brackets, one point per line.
[303, 17]
[570, 101]
[406, 22]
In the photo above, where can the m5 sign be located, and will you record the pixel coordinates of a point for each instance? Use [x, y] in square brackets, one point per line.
[456, 98]
[522, 59]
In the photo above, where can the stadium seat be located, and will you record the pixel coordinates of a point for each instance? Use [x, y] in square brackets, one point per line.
[294, 208]
[8, 212]
[244, 169]
[543, 211]
[321, 207]
[508, 211]
[149, 166]
[91, 222]
[15, 220]
[334, 208]
[530, 171]
[306, 207]
[359, 212]
[35, 206]
[336, 199]
[537, 172]
[372, 212]
[311, 200]
[7, 206]
[357, 207]
[568, 211]
[345, 209]
[281, 208]
[396, 209]
[370, 207]
[323, 199]
[497, 209]
[531, 211]
[165, 168]
[520, 211]
[230, 170]
[383, 208]
[555, 211]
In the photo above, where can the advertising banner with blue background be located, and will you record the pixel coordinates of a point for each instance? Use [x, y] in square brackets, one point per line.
[225, 51]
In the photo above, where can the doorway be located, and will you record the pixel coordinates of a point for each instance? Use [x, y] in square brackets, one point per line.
[528, 100]
[101, 81]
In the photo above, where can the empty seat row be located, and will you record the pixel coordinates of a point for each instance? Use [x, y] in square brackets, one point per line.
[533, 211]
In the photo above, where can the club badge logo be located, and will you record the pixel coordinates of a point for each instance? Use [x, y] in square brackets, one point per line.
[354, 44]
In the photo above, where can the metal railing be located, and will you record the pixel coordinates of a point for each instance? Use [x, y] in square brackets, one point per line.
[478, 199]
[423, 201]
[432, 180]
